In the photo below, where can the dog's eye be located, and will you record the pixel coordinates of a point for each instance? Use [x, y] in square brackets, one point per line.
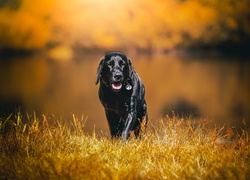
[122, 63]
[110, 63]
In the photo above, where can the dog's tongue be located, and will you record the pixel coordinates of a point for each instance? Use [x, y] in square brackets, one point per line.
[117, 86]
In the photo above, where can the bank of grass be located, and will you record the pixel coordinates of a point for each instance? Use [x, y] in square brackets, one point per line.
[174, 149]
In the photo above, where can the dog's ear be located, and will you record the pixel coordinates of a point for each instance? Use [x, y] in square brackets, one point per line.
[130, 67]
[99, 70]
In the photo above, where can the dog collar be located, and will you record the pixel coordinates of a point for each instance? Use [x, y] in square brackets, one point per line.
[127, 85]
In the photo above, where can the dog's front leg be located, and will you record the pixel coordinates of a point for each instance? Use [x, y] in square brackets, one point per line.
[130, 121]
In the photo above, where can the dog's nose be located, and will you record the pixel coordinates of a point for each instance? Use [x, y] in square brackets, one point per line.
[118, 76]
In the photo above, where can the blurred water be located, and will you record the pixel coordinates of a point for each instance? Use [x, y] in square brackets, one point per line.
[214, 88]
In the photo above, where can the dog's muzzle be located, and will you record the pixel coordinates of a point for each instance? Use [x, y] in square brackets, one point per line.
[117, 81]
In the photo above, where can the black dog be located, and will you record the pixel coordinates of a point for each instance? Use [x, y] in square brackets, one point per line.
[121, 93]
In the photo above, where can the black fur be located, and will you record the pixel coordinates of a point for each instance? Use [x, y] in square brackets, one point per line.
[121, 93]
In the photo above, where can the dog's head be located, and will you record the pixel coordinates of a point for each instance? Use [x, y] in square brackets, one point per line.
[113, 70]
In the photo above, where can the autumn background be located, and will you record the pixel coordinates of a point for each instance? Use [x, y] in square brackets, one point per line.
[193, 56]
[136, 25]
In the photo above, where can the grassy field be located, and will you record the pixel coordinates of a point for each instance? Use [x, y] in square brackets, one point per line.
[175, 148]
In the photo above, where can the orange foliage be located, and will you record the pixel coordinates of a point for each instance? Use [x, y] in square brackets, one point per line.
[28, 27]
[151, 24]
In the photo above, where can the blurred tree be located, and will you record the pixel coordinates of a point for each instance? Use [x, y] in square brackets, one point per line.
[24, 24]
[153, 25]
[11, 4]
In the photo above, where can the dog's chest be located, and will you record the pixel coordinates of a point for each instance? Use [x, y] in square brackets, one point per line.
[117, 102]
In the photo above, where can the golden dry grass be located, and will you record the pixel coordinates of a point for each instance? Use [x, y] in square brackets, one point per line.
[174, 149]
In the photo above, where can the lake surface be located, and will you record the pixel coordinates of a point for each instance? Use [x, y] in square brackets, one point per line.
[215, 88]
